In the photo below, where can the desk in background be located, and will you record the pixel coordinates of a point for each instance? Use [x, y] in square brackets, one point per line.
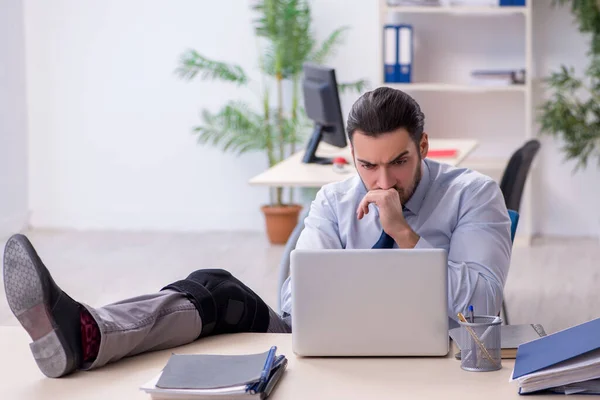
[291, 172]
[305, 378]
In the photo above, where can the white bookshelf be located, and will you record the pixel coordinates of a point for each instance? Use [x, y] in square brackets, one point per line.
[493, 165]
[459, 10]
[449, 87]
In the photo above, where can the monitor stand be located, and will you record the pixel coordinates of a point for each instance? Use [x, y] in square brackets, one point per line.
[311, 148]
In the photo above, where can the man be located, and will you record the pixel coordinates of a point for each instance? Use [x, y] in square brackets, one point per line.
[399, 199]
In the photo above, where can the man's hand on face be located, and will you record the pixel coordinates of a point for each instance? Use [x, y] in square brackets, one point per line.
[390, 215]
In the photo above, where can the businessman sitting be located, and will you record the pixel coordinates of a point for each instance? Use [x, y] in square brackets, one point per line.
[398, 199]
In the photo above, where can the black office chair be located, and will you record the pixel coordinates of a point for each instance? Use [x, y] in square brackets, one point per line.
[513, 182]
[515, 174]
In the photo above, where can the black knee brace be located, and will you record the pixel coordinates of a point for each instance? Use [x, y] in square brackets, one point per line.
[224, 303]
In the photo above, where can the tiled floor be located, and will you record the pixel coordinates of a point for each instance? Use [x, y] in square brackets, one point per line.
[555, 282]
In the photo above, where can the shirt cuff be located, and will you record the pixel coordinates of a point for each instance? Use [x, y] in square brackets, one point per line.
[423, 244]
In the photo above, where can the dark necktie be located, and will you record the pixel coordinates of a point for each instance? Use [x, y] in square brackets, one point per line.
[385, 241]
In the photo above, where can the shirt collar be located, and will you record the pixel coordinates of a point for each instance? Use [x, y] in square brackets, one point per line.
[416, 201]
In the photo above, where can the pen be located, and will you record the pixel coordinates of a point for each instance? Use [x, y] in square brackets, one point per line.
[254, 388]
[471, 314]
[278, 360]
[264, 376]
[489, 329]
[472, 320]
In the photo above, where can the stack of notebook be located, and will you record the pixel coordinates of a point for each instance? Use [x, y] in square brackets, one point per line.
[200, 376]
[565, 362]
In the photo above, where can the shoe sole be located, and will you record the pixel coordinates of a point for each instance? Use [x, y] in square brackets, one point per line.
[26, 297]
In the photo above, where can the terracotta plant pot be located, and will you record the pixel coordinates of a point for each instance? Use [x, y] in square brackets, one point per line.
[281, 221]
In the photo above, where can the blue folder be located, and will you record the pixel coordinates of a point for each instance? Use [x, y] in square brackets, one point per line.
[390, 53]
[556, 348]
[398, 53]
[512, 3]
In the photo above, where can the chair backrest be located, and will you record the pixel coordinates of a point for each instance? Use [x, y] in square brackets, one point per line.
[514, 222]
[284, 264]
[515, 174]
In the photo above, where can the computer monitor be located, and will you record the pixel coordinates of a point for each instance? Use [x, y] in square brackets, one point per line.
[322, 105]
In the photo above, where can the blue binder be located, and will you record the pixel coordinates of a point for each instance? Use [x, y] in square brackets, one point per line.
[556, 348]
[390, 51]
[397, 53]
[512, 3]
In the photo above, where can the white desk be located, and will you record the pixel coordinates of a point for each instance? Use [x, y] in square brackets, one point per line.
[305, 378]
[291, 172]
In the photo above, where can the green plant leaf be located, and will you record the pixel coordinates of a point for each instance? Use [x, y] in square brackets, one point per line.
[234, 128]
[266, 23]
[298, 38]
[291, 131]
[328, 46]
[572, 111]
[358, 86]
[192, 63]
[285, 26]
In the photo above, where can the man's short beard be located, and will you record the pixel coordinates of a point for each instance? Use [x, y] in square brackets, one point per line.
[416, 180]
[405, 197]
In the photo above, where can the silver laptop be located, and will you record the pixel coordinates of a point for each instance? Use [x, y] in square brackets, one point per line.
[375, 302]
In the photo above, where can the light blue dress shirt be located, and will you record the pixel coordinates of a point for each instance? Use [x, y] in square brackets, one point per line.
[456, 209]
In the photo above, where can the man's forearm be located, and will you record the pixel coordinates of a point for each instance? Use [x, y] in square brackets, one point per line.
[406, 239]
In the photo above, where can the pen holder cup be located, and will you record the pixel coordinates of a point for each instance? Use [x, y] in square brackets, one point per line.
[481, 344]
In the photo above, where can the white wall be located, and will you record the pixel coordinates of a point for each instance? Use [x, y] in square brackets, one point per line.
[567, 202]
[110, 123]
[13, 119]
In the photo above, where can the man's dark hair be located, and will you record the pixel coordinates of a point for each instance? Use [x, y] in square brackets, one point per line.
[384, 110]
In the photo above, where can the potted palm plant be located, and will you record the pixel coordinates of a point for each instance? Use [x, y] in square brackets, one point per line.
[573, 110]
[283, 28]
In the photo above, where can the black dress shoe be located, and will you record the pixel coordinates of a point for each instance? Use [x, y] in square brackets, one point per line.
[48, 314]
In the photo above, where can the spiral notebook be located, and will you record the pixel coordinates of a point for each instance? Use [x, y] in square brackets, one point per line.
[210, 376]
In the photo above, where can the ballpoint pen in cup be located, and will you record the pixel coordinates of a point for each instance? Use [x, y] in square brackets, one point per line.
[471, 314]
